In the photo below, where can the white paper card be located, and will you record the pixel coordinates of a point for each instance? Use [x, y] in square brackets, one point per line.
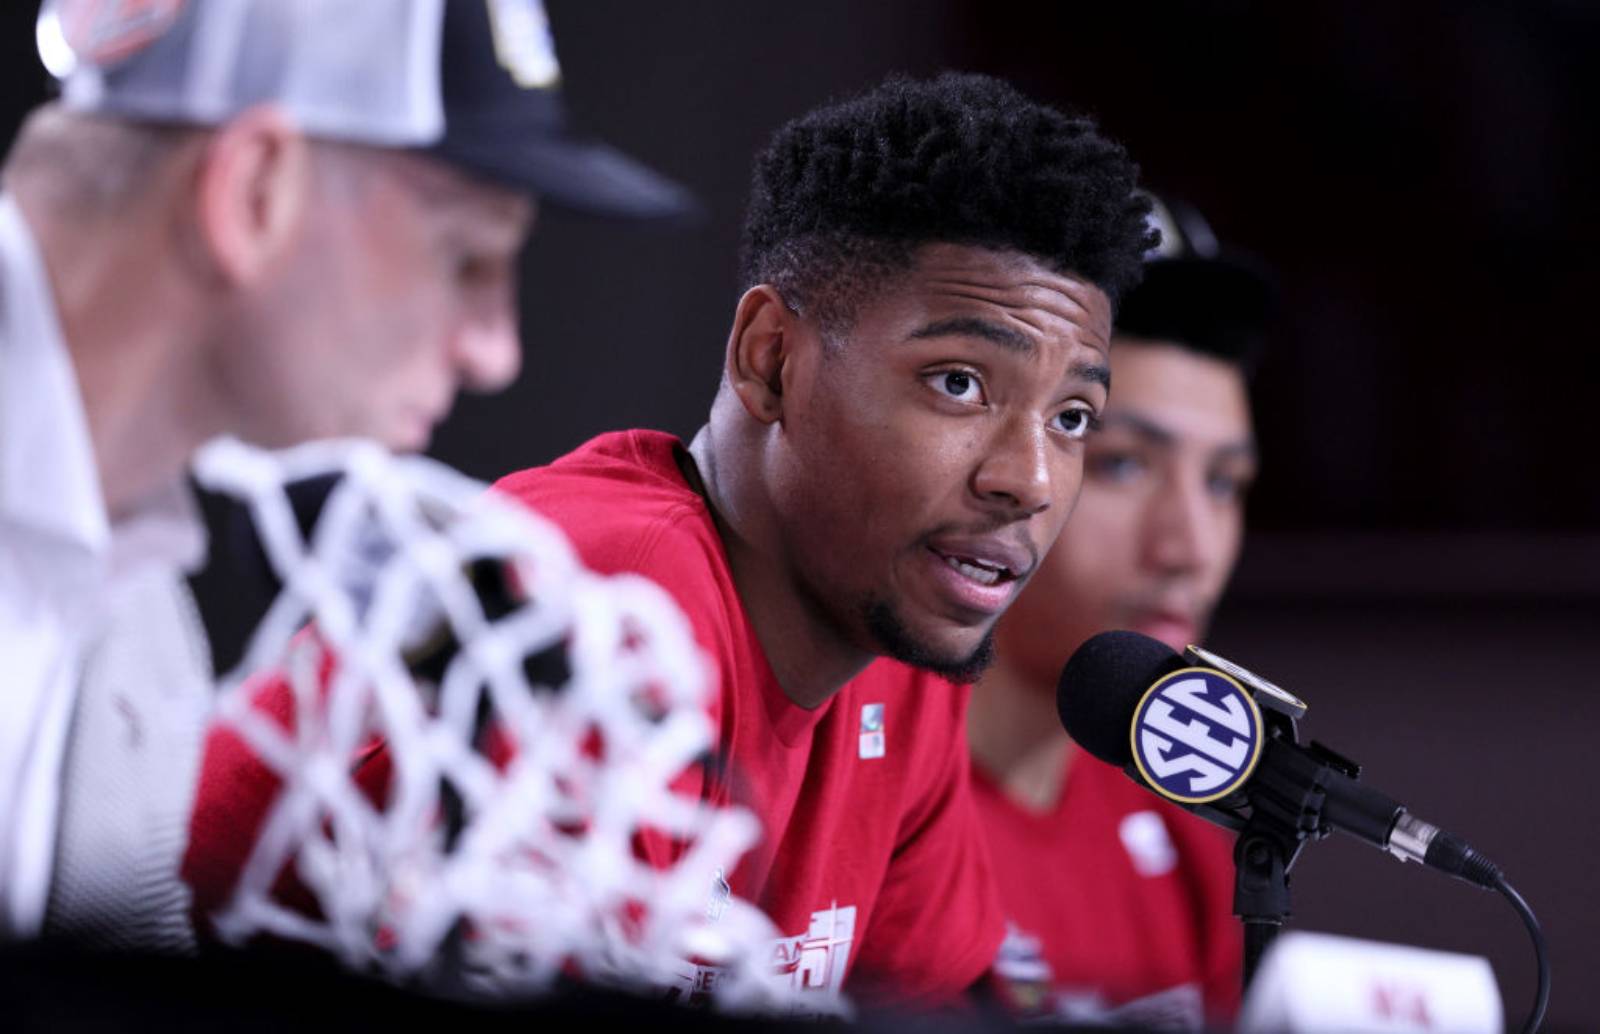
[1319, 982]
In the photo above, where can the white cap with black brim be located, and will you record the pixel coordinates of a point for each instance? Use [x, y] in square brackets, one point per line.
[474, 82]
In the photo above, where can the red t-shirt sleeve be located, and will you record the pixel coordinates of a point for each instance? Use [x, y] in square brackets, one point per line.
[938, 922]
[615, 534]
[234, 793]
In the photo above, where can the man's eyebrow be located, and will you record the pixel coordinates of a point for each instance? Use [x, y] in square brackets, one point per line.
[972, 326]
[1155, 433]
[1142, 426]
[1095, 373]
[1007, 338]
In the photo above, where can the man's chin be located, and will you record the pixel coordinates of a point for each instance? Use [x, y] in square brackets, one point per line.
[895, 638]
[408, 436]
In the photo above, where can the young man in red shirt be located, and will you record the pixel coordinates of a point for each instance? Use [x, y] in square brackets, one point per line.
[919, 351]
[1120, 903]
[929, 272]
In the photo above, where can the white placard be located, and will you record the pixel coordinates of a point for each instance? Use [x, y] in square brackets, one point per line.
[1319, 982]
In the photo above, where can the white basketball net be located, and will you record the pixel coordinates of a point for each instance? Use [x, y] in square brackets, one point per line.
[524, 869]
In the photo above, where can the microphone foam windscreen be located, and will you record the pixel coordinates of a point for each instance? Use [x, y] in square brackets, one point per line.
[1101, 686]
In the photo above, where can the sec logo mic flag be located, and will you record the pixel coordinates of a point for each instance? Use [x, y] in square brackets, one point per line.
[1196, 736]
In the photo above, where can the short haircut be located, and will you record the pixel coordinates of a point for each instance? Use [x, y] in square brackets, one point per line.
[1219, 308]
[842, 196]
[89, 164]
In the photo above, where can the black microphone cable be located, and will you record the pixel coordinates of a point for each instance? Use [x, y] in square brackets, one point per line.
[1541, 998]
[1450, 854]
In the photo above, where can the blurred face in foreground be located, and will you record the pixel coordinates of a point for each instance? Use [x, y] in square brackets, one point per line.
[398, 290]
[1158, 526]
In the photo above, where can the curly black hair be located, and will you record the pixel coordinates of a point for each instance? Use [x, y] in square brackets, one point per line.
[842, 196]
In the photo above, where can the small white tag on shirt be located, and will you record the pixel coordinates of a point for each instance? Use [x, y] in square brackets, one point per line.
[1150, 849]
[871, 731]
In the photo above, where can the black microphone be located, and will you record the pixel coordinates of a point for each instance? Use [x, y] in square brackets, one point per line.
[1225, 759]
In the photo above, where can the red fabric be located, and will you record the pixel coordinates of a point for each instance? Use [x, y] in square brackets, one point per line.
[236, 789]
[872, 867]
[1110, 934]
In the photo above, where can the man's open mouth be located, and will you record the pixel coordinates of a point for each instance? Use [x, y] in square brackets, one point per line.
[984, 572]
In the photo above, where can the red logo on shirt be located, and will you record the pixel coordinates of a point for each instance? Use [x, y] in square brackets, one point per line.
[816, 959]
[814, 963]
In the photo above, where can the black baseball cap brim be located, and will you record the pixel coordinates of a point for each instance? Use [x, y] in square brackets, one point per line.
[514, 132]
[584, 176]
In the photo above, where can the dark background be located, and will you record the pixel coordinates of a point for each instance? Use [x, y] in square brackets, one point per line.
[1425, 567]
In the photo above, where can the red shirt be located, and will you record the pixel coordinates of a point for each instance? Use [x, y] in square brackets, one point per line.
[872, 863]
[1121, 904]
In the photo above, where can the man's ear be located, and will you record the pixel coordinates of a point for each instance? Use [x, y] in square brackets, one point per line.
[252, 187]
[760, 344]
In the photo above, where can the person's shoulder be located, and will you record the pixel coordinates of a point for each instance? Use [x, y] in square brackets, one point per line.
[619, 464]
[625, 505]
[618, 497]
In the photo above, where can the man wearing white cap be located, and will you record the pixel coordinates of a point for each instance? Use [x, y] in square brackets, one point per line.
[278, 219]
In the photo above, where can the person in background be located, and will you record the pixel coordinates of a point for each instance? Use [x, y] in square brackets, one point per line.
[273, 220]
[1120, 904]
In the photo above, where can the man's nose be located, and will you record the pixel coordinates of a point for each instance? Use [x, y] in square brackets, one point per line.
[487, 350]
[1180, 528]
[1014, 472]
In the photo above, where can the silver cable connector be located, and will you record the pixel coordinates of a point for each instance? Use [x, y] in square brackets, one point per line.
[1409, 839]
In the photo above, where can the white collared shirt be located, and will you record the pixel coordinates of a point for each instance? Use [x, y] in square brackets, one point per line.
[60, 556]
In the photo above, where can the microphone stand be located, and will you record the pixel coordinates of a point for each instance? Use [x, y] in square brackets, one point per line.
[1261, 858]
[1285, 799]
